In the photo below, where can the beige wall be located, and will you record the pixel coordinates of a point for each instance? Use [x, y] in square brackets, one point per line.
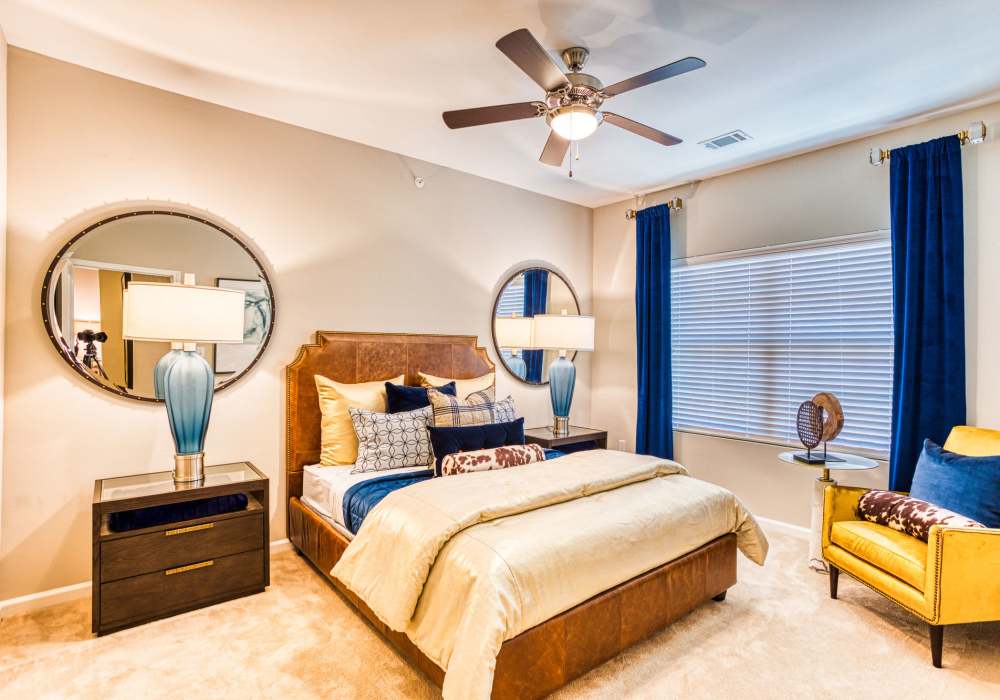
[3, 242]
[349, 242]
[825, 193]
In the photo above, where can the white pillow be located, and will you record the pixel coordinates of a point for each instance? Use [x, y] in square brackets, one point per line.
[391, 440]
[463, 387]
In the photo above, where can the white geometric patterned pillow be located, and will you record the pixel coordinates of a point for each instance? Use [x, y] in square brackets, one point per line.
[391, 440]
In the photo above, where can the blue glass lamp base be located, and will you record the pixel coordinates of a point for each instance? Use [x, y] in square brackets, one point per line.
[188, 387]
[160, 371]
[517, 365]
[562, 379]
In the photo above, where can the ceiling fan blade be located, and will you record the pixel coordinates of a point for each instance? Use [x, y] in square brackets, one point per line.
[684, 65]
[641, 129]
[461, 118]
[525, 51]
[555, 149]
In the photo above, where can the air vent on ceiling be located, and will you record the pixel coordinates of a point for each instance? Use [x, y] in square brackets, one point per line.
[728, 139]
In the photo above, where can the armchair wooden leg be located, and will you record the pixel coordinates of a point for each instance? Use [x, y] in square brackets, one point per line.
[834, 580]
[937, 641]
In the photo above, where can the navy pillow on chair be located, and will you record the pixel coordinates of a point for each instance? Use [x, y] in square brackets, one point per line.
[448, 441]
[969, 486]
[400, 399]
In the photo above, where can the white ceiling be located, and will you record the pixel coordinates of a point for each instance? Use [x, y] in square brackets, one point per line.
[795, 74]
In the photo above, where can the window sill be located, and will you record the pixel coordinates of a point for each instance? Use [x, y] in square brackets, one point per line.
[834, 447]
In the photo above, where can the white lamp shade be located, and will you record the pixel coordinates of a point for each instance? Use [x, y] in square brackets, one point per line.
[182, 313]
[563, 332]
[514, 332]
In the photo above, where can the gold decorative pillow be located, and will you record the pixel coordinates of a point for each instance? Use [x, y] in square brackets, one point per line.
[463, 387]
[452, 412]
[338, 442]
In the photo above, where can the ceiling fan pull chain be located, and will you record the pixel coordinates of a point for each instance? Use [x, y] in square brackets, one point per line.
[575, 155]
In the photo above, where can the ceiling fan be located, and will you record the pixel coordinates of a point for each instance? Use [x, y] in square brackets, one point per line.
[573, 100]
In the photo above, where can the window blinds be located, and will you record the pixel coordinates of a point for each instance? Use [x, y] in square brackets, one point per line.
[511, 301]
[757, 334]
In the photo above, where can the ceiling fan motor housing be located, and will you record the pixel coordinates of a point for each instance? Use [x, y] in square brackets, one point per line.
[583, 89]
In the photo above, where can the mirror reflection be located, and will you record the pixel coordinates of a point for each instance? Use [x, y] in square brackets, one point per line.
[534, 290]
[84, 289]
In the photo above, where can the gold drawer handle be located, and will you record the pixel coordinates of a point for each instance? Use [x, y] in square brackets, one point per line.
[192, 528]
[189, 567]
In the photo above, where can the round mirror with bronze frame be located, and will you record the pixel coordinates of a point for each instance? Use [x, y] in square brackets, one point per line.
[84, 290]
[531, 290]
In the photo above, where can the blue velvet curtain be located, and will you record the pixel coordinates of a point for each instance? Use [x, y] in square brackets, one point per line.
[536, 297]
[928, 295]
[654, 425]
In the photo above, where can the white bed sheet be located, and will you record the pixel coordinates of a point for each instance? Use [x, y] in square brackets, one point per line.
[323, 488]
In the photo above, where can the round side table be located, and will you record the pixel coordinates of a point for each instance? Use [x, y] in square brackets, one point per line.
[850, 463]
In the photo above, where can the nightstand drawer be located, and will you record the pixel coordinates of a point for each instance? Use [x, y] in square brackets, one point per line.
[175, 589]
[156, 551]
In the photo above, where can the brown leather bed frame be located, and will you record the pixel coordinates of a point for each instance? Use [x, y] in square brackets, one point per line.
[547, 656]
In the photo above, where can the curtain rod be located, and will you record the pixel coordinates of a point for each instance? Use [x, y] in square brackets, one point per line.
[975, 134]
[675, 204]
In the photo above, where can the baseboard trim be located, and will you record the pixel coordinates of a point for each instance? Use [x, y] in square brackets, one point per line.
[75, 591]
[789, 528]
[43, 599]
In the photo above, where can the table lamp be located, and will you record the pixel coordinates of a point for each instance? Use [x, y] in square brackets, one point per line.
[564, 333]
[183, 315]
[514, 334]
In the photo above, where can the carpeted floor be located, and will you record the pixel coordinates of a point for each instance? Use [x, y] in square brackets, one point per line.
[778, 635]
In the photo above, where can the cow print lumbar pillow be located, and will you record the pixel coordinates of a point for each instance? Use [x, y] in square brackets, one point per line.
[488, 460]
[910, 515]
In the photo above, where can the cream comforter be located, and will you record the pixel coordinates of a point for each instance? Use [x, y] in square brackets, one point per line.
[463, 563]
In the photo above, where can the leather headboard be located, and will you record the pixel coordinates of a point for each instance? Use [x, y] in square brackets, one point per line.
[364, 357]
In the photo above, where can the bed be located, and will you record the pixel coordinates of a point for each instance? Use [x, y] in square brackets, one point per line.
[549, 652]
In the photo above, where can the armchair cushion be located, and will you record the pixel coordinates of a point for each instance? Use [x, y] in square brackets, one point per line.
[892, 551]
[969, 486]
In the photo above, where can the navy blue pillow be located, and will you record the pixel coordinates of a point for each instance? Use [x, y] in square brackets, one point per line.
[969, 486]
[447, 441]
[401, 398]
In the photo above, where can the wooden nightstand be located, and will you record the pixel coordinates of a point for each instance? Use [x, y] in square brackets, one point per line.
[153, 572]
[545, 438]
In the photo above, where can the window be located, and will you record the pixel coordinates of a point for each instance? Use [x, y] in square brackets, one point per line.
[757, 333]
[511, 303]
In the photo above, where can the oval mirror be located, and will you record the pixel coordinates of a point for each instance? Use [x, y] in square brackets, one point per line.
[83, 292]
[533, 290]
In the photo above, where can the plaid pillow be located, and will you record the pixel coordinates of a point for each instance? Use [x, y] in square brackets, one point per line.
[504, 411]
[451, 412]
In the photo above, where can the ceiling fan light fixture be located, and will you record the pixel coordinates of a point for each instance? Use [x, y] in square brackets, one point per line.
[573, 122]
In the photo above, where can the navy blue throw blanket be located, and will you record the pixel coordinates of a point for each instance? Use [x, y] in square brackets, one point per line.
[176, 512]
[928, 299]
[360, 498]
[536, 298]
[654, 424]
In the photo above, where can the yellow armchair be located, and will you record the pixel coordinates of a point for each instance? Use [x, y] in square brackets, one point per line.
[952, 578]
